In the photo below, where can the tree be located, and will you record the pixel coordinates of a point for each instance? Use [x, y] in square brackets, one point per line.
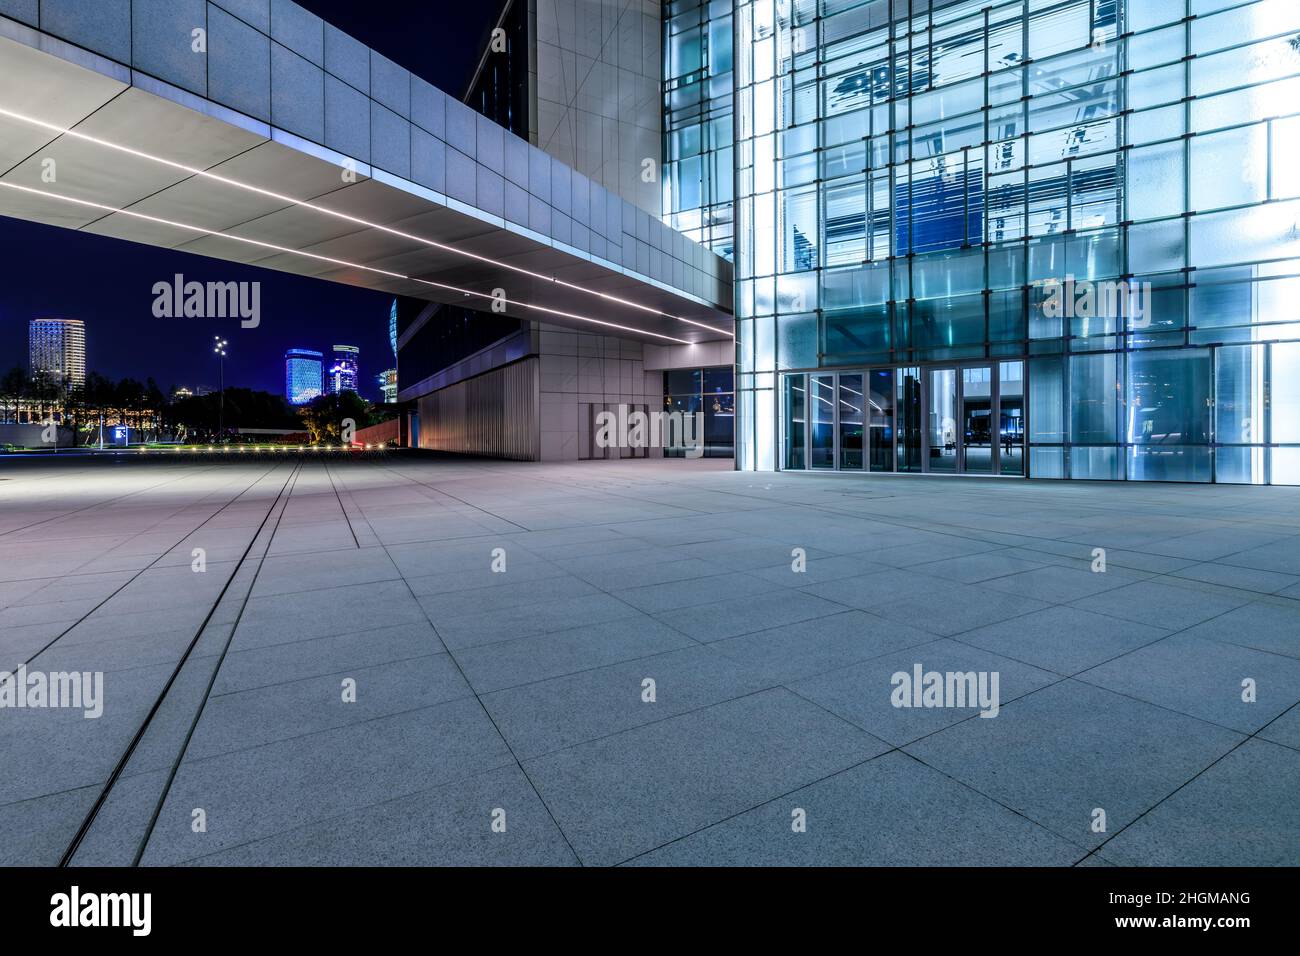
[46, 392]
[13, 388]
[245, 408]
[325, 415]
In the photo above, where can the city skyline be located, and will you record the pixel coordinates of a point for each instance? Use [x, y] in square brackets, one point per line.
[113, 298]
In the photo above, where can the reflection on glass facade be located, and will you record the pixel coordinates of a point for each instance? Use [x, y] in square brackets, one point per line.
[698, 134]
[1059, 239]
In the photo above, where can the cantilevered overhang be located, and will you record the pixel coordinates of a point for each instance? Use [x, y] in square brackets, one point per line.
[87, 143]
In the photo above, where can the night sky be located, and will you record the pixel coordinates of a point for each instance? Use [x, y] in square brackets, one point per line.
[48, 272]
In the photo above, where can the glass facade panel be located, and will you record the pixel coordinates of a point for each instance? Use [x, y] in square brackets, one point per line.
[1169, 397]
[1284, 408]
[699, 136]
[707, 390]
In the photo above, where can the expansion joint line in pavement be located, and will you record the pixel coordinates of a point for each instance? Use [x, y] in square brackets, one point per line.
[1223, 756]
[125, 758]
[448, 494]
[225, 649]
[339, 499]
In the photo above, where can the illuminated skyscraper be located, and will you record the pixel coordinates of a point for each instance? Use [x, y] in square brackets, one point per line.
[343, 370]
[302, 375]
[392, 328]
[57, 349]
[388, 385]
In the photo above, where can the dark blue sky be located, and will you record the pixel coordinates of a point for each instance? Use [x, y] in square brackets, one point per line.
[51, 272]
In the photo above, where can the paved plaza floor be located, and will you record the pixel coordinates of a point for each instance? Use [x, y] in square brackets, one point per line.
[421, 660]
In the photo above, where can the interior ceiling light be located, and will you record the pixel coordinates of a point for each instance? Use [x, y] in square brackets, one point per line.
[341, 262]
[279, 197]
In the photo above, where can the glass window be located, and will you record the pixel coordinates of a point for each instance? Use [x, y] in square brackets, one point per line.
[1169, 400]
[1284, 466]
[1228, 168]
[1098, 463]
[1284, 389]
[797, 341]
[682, 381]
[1168, 463]
[1155, 180]
[1240, 464]
[1046, 401]
[1094, 398]
[1239, 395]
[719, 379]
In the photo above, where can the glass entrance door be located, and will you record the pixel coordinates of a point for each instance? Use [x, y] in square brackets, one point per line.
[1011, 415]
[941, 421]
[966, 432]
[960, 419]
[880, 416]
[850, 410]
[977, 431]
[821, 412]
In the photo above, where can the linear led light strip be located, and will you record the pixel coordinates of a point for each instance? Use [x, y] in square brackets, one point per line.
[341, 262]
[64, 131]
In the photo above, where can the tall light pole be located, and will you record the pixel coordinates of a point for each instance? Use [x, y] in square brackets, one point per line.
[219, 348]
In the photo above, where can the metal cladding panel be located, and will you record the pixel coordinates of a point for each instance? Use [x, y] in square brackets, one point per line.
[494, 414]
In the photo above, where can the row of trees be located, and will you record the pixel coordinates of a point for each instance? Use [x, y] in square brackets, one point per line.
[128, 401]
[145, 408]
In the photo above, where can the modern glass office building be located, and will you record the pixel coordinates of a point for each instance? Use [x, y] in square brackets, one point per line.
[1054, 238]
[57, 350]
[302, 375]
[345, 369]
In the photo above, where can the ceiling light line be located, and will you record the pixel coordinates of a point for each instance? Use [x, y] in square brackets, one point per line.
[330, 259]
[270, 194]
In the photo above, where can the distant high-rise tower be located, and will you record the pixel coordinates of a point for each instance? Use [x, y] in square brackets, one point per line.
[302, 375]
[388, 385]
[392, 327]
[343, 372]
[57, 349]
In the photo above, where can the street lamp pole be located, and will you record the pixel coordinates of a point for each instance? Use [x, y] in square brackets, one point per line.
[219, 348]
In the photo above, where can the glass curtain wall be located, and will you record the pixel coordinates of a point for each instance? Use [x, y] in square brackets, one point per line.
[920, 185]
[698, 133]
